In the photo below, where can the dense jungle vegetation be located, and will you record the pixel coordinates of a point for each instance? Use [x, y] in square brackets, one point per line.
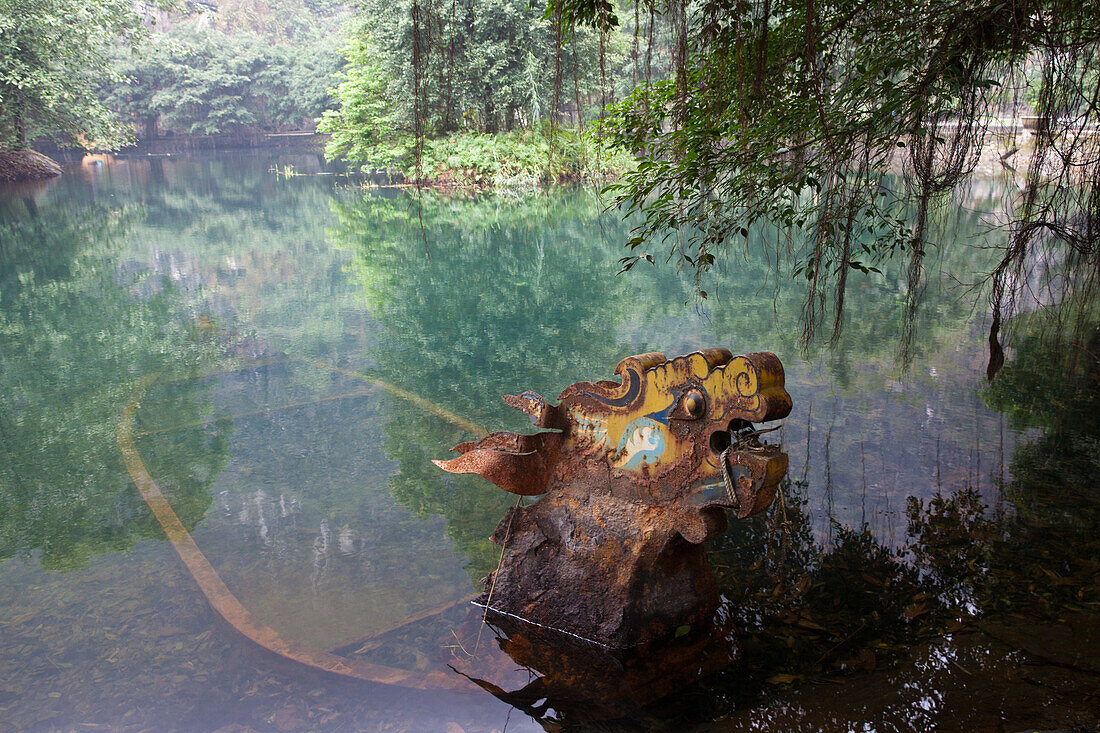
[841, 125]
[100, 74]
[806, 161]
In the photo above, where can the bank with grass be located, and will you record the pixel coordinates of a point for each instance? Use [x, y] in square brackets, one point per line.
[515, 159]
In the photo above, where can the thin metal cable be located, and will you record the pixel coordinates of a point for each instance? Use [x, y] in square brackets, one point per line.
[488, 608]
[496, 573]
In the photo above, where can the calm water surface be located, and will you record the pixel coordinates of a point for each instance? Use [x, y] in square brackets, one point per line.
[286, 321]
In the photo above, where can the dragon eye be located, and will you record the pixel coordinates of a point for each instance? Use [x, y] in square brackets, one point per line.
[695, 403]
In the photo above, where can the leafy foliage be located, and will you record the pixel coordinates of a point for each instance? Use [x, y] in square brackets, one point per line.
[418, 70]
[515, 159]
[294, 23]
[52, 55]
[362, 128]
[790, 113]
[207, 82]
[479, 65]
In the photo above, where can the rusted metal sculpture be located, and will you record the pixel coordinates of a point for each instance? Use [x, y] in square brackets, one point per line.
[635, 476]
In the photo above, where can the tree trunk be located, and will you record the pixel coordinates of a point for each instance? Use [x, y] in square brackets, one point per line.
[490, 122]
[20, 125]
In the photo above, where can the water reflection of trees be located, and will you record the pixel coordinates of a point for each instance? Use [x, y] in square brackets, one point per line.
[484, 295]
[75, 332]
[1054, 388]
[754, 295]
[823, 612]
[489, 297]
[482, 301]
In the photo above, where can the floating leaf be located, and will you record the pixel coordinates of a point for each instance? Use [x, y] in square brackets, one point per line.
[915, 609]
[783, 679]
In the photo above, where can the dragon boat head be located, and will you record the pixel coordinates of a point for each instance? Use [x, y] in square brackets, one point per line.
[673, 433]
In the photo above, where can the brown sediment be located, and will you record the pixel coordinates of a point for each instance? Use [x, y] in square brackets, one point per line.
[420, 402]
[229, 608]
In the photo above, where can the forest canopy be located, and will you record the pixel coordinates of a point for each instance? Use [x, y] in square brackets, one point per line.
[790, 115]
[53, 57]
[449, 74]
[204, 81]
[98, 74]
[835, 128]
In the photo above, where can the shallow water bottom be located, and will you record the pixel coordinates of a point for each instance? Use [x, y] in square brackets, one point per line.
[130, 646]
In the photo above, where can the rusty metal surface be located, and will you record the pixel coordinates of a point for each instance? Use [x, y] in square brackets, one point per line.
[655, 437]
[634, 476]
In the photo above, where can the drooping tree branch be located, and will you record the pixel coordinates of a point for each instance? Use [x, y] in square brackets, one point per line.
[787, 116]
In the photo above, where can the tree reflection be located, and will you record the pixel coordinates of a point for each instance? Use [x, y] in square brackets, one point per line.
[1054, 387]
[754, 294]
[818, 612]
[488, 296]
[75, 333]
[479, 300]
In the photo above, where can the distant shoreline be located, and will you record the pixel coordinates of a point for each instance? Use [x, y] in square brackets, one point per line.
[45, 160]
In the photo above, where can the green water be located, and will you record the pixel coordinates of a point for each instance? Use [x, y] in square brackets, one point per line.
[271, 309]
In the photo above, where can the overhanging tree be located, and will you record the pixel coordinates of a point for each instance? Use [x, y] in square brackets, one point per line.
[790, 115]
[53, 54]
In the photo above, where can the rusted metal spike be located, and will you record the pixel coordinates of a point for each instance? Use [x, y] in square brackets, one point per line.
[520, 464]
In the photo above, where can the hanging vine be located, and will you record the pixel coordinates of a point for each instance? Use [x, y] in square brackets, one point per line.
[790, 117]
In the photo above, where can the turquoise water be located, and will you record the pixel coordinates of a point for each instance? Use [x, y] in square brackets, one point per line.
[287, 320]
